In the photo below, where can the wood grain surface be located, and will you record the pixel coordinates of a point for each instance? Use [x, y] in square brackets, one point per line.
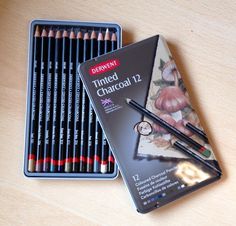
[202, 38]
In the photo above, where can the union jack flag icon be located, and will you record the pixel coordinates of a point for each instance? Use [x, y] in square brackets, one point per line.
[106, 102]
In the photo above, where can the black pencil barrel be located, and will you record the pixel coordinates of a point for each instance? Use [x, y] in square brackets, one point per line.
[92, 116]
[56, 102]
[78, 85]
[85, 113]
[105, 148]
[34, 101]
[104, 155]
[98, 129]
[110, 166]
[113, 42]
[98, 147]
[70, 103]
[110, 162]
[197, 131]
[42, 99]
[63, 104]
[48, 115]
[107, 42]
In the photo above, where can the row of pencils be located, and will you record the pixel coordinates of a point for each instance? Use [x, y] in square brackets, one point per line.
[65, 134]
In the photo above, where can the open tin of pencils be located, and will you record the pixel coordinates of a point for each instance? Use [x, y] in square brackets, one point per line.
[63, 136]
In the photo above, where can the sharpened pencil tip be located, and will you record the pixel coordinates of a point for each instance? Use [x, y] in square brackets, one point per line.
[79, 35]
[100, 36]
[65, 34]
[72, 34]
[93, 35]
[107, 35]
[51, 33]
[185, 122]
[44, 33]
[86, 35]
[127, 100]
[113, 37]
[37, 32]
[58, 34]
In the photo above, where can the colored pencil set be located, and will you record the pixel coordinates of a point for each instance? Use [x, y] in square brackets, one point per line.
[64, 133]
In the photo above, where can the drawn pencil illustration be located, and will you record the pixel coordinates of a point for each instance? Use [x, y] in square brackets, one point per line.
[168, 99]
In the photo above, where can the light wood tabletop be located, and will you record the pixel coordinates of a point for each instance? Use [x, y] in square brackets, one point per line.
[202, 38]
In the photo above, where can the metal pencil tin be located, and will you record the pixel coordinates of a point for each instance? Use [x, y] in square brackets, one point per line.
[140, 89]
[86, 26]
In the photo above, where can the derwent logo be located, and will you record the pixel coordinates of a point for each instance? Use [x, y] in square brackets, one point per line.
[104, 67]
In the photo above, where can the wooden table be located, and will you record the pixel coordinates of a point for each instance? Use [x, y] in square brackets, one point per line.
[202, 38]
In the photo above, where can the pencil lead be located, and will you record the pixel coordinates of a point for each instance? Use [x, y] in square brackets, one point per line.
[37, 32]
[107, 34]
[65, 34]
[72, 34]
[58, 34]
[127, 100]
[79, 35]
[51, 33]
[86, 35]
[185, 122]
[100, 36]
[44, 33]
[113, 37]
[93, 35]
